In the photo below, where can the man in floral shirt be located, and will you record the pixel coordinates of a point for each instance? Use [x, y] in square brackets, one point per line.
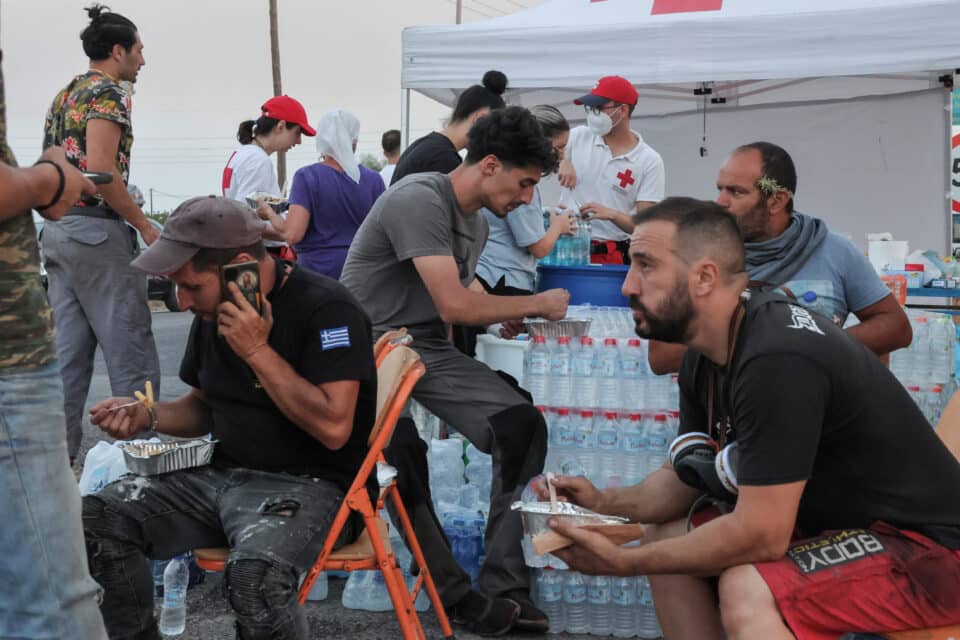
[97, 298]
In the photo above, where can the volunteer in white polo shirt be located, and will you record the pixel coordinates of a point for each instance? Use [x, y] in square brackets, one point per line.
[610, 169]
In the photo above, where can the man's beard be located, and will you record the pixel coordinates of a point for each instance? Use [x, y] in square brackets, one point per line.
[754, 223]
[671, 320]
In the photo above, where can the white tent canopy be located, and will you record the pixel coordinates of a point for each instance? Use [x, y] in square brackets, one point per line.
[755, 51]
[819, 77]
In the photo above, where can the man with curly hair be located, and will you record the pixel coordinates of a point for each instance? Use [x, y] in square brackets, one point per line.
[412, 265]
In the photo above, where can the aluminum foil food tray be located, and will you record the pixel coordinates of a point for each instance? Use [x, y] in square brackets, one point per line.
[556, 328]
[153, 458]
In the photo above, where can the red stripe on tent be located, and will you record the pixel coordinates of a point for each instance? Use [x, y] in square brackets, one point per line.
[684, 6]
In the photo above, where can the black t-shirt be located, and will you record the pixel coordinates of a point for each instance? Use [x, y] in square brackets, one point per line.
[432, 152]
[808, 402]
[321, 331]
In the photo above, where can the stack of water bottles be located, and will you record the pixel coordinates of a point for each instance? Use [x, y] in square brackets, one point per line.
[608, 417]
[367, 591]
[599, 605]
[927, 367]
[462, 506]
[569, 250]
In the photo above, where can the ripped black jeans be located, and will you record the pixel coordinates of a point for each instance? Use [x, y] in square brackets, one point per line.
[274, 524]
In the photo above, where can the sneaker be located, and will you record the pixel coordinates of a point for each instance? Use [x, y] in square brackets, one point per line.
[531, 618]
[484, 616]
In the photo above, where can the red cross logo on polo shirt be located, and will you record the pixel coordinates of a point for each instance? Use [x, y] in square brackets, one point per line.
[625, 178]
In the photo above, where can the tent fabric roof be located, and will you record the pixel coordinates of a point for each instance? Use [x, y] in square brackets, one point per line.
[565, 45]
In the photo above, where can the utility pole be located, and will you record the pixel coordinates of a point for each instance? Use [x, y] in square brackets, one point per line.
[275, 59]
[151, 200]
[459, 10]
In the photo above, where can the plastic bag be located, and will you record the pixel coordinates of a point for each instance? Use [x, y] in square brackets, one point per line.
[104, 464]
[932, 265]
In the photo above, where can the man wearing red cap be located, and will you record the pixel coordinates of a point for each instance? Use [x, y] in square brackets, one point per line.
[610, 169]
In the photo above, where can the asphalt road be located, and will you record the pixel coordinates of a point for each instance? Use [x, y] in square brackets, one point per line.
[208, 613]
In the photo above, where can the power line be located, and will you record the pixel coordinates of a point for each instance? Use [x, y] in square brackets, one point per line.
[499, 12]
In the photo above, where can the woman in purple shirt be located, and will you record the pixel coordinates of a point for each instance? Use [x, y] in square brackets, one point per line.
[329, 199]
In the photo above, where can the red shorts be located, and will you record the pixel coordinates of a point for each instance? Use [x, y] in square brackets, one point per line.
[865, 580]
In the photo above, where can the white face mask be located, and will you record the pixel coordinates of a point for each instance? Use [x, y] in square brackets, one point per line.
[600, 123]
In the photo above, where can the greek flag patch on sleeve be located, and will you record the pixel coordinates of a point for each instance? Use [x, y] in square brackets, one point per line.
[336, 338]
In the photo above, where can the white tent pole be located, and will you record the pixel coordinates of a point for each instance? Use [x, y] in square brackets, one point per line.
[404, 118]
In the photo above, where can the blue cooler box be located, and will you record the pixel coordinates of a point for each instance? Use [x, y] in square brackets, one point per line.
[597, 284]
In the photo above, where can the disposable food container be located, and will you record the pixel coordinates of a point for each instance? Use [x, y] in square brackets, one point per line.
[573, 327]
[153, 458]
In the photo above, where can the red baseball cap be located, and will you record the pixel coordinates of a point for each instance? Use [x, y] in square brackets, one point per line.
[287, 109]
[609, 88]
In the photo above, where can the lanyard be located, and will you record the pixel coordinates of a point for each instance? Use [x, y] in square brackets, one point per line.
[720, 433]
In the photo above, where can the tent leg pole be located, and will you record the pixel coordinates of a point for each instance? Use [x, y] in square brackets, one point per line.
[404, 118]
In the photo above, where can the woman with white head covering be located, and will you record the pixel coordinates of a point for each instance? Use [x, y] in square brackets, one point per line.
[329, 199]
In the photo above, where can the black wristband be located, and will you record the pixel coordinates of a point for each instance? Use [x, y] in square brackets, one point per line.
[60, 187]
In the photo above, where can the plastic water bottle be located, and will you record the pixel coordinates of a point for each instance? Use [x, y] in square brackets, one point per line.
[378, 598]
[941, 348]
[566, 435]
[585, 442]
[318, 591]
[600, 599]
[173, 615]
[608, 386]
[536, 369]
[354, 592]
[560, 383]
[608, 467]
[633, 447]
[550, 595]
[657, 440]
[632, 373]
[584, 369]
[648, 626]
[919, 362]
[575, 602]
[624, 591]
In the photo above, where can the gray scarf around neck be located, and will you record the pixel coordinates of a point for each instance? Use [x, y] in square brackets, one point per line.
[777, 260]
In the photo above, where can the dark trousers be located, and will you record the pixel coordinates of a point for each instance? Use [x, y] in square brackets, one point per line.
[275, 525]
[492, 412]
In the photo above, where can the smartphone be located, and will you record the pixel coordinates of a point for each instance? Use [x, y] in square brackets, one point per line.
[245, 275]
[98, 177]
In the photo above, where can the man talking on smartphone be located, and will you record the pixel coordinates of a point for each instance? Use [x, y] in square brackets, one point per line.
[289, 394]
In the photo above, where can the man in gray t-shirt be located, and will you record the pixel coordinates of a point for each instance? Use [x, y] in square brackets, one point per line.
[798, 254]
[412, 265]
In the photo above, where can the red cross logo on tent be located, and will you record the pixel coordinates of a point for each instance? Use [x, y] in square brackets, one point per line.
[685, 6]
[625, 178]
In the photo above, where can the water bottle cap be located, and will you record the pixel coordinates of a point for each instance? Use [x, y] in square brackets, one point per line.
[635, 416]
[660, 417]
[586, 340]
[541, 408]
[610, 341]
[810, 296]
[563, 340]
[610, 415]
[563, 411]
[587, 413]
[914, 387]
[540, 339]
[936, 388]
[634, 342]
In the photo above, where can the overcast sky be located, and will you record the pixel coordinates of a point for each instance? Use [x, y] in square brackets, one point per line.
[208, 68]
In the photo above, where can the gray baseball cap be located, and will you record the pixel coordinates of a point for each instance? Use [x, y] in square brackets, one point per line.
[205, 222]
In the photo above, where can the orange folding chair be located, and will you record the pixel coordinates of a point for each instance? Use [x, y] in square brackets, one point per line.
[398, 370]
